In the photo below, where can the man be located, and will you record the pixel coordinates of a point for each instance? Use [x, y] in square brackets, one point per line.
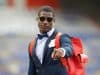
[45, 58]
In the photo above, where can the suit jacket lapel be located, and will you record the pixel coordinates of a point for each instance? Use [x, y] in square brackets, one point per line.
[35, 58]
[46, 46]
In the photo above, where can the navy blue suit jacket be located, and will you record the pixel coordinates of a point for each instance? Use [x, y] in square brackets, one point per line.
[49, 65]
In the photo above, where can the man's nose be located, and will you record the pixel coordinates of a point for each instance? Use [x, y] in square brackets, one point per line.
[45, 21]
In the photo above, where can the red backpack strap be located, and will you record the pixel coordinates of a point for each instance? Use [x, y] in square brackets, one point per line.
[57, 38]
[31, 45]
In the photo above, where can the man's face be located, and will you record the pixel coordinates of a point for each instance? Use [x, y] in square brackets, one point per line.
[45, 21]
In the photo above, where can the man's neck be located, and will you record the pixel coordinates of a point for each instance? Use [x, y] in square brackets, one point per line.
[49, 33]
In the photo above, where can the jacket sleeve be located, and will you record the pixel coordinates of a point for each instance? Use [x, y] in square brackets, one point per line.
[65, 41]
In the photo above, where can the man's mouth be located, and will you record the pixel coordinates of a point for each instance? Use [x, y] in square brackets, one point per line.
[44, 27]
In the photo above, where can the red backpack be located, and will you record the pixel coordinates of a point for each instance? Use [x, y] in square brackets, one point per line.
[75, 65]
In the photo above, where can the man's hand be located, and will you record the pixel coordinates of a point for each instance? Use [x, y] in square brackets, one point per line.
[57, 53]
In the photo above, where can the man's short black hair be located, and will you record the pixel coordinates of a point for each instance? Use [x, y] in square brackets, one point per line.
[46, 9]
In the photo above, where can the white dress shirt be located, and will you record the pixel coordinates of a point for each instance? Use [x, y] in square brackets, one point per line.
[41, 44]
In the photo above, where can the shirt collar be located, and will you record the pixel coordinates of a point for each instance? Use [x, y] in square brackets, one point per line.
[50, 32]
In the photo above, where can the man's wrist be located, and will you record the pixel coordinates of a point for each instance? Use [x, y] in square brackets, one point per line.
[63, 50]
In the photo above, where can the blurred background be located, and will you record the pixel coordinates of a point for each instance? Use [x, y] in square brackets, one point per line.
[80, 18]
